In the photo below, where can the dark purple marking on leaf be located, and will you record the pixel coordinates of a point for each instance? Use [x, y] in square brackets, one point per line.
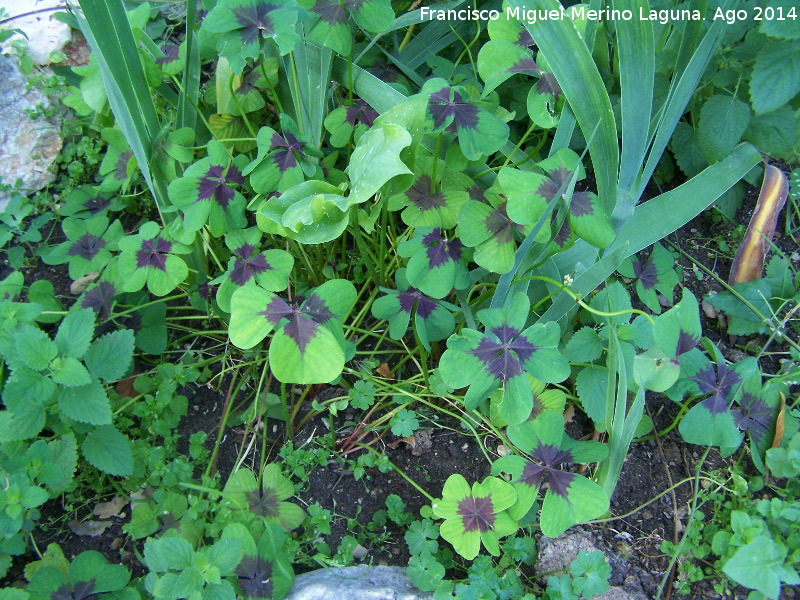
[254, 19]
[524, 39]
[100, 299]
[153, 254]
[302, 330]
[121, 166]
[477, 193]
[526, 65]
[500, 225]
[425, 306]
[477, 514]
[497, 357]
[96, 204]
[81, 590]
[564, 234]
[440, 250]
[719, 386]
[648, 276]
[244, 269]
[580, 205]
[559, 481]
[547, 84]
[284, 158]
[87, 246]
[206, 291]
[330, 11]
[245, 250]
[551, 457]
[362, 112]
[465, 116]
[215, 184]
[420, 195]
[276, 310]
[266, 504]
[384, 71]
[755, 417]
[171, 54]
[316, 308]
[686, 342]
[255, 577]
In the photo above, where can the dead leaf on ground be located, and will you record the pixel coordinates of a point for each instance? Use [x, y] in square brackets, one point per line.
[420, 442]
[125, 387]
[780, 424]
[106, 510]
[89, 528]
[569, 414]
[384, 371]
[77, 287]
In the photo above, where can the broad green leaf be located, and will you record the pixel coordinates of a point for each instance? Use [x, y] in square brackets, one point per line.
[35, 348]
[688, 153]
[86, 404]
[781, 24]
[167, 553]
[376, 160]
[776, 132]
[584, 346]
[75, 333]
[109, 357]
[69, 371]
[723, 121]
[776, 76]
[592, 387]
[109, 451]
[760, 565]
[25, 422]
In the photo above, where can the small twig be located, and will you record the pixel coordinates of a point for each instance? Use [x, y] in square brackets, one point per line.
[33, 12]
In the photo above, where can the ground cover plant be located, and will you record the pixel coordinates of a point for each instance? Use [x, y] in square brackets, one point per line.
[354, 219]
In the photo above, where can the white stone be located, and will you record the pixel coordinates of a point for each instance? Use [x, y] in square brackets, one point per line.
[28, 147]
[356, 583]
[45, 34]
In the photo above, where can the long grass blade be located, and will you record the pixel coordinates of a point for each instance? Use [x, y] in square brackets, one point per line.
[190, 86]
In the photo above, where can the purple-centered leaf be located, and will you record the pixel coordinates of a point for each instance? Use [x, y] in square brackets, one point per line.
[755, 417]
[254, 19]
[100, 299]
[153, 253]
[255, 577]
[526, 65]
[276, 310]
[302, 330]
[477, 514]
[719, 385]
[421, 196]
[286, 145]
[440, 250]
[547, 84]
[96, 204]
[216, 184]
[361, 112]
[580, 205]
[425, 306]
[316, 308]
[87, 246]
[120, 172]
[442, 109]
[330, 11]
[686, 342]
[247, 266]
[264, 504]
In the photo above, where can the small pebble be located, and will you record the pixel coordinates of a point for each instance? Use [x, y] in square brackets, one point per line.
[465, 448]
[453, 450]
[501, 450]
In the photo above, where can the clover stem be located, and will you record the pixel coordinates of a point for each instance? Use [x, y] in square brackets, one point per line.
[400, 472]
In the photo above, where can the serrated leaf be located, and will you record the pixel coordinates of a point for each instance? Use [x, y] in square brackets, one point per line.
[783, 25]
[75, 333]
[109, 451]
[35, 348]
[592, 388]
[86, 403]
[723, 121]
[109, 357]
[687, 150]
[69, 371]
[776, 76]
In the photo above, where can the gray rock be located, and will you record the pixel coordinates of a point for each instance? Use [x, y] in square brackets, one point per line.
[356, 583]
[45, 34]
[28, 148]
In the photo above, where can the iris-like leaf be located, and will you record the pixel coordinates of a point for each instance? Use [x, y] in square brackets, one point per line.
[479, 131]
[475, 515]
[500, 358]
[435, 266]
[209, 193]
[88, 247]
[244, 24]
[658, 275]
[242, 494]
[332, 29]
[426, 203]
[308, 346]
[269, 269]
[150, 257]
[433, 318]
[571, 498]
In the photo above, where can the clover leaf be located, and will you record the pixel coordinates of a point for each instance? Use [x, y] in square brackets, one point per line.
[280, 160]
[500, 358]
[332, 29]
[149, 257]
[477, 515]
[242, 494]
[570, 498]
[433, 319]
[435, 266]
[88, 247]
[309, 345]
[658, 275]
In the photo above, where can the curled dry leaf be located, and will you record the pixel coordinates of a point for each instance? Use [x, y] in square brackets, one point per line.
[77, 287]
[420, 442]
[569, 413]
[89, 528]
[384, 371]
[113, 508]
[780, 424]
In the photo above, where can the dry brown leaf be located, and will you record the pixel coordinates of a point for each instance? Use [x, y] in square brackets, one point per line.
[106, 510]
[89, 528]
[780, 424]
[77, 287]
[420, 442]
[125, 387]
[569, 414]
[384, 371]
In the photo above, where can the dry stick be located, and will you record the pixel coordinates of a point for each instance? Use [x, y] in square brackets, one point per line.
[222, 421]
[675, 520]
